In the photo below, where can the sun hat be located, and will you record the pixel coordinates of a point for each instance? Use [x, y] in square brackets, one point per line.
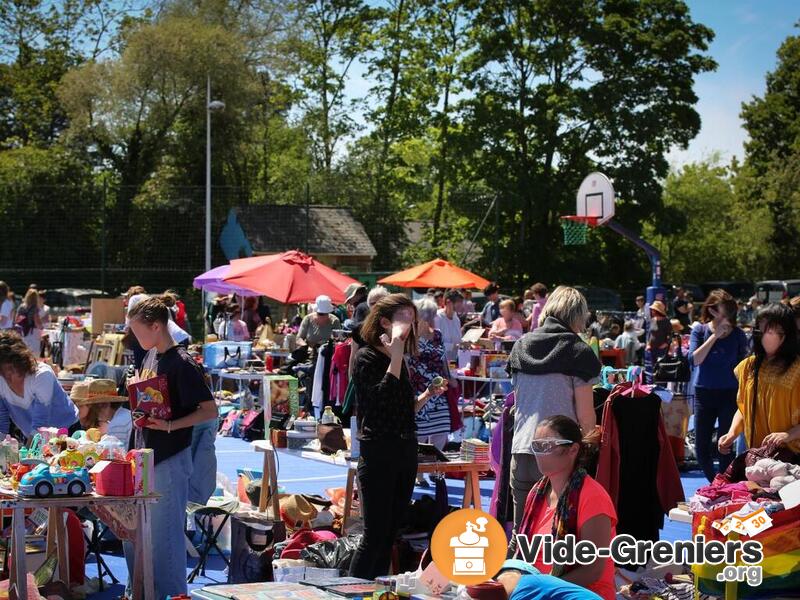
[324, 305]
[95, 391]
[353, 291]
[659, 307]
[296, 511]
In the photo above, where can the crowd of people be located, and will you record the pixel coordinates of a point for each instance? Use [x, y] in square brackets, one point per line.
[747, 388]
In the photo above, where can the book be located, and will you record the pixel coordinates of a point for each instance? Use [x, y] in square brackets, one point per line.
[324, 582]
[354, 590]
[151, 397]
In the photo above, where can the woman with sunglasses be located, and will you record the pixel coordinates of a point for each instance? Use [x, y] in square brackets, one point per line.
[567, 501]
[716, 346]
[769, 385]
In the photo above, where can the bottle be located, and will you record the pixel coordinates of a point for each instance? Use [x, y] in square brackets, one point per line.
[328, 417]
[355, 446]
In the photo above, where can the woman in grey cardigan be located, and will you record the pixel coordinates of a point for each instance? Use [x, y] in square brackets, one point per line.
[553, 371]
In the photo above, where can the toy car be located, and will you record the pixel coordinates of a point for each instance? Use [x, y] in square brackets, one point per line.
[43, 482]
[24, 466]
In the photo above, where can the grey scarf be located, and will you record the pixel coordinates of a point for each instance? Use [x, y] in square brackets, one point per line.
[554, 348]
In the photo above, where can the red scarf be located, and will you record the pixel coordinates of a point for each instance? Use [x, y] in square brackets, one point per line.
[565, 520]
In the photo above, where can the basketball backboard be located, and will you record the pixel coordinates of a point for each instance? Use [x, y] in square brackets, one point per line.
[596, 198]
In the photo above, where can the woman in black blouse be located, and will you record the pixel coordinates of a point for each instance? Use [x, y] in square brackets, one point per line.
[386, 405]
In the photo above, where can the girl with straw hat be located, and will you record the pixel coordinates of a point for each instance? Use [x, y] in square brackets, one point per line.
[100, 407]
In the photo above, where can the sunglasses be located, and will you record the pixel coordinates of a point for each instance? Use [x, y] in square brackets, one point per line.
[547, 445]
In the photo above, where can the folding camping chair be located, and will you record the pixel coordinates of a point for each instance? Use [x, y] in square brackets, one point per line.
[204, 518]
[94, 545]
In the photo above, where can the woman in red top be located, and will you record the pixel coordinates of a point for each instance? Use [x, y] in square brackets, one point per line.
[568, 501]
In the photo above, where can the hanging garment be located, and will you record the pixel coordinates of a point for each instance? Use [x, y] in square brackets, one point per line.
[636, 464]
[317, 399]
[501, 506]
[320, 394]
[339, 372]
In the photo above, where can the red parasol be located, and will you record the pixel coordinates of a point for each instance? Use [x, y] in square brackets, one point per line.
[291, 277]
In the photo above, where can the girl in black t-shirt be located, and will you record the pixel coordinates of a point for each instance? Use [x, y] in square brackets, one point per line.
[191, 403]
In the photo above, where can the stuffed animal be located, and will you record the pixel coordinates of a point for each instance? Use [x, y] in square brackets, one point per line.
[771, 473]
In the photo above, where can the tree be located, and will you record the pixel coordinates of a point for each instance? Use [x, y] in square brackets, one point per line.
[39, 43]
[446, 25]
[772, 154]
[402, 96]
[561, 88]
[705, 230]
[42, 191]
[334, 39]
[126, 108]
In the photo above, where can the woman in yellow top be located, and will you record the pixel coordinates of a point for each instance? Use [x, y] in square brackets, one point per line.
[769, 385]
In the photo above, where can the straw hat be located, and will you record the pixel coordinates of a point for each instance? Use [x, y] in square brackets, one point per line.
[659, 307]
[95, 391]
[297, 511]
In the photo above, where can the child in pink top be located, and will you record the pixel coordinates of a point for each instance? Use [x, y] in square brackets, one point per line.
[506, 327]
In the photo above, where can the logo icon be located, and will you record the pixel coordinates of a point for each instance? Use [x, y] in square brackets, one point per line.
[469, 546]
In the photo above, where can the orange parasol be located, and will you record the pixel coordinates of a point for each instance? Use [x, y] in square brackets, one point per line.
[437, 273]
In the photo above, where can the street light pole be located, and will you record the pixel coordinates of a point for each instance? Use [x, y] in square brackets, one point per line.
[216, 105]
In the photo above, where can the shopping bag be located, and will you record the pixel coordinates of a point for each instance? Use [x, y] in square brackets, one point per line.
[253, 538]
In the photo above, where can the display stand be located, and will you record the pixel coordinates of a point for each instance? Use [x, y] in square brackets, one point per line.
[127, 516]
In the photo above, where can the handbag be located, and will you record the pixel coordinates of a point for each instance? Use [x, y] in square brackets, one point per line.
[673, 369]
[252, 541]
[331, 438]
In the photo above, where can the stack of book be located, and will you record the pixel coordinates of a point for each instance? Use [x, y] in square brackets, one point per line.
[474, 450]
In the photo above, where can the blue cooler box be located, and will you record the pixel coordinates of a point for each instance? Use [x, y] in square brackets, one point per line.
[218, 355]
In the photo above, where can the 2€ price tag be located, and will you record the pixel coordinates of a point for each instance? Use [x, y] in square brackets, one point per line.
[756, 522]
[736, 525]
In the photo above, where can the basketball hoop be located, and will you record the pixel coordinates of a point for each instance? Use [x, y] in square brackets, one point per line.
[576, 229]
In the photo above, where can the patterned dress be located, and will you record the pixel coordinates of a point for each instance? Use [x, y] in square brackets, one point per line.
[434, 417]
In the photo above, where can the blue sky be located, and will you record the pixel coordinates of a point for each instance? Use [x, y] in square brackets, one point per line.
[748, 33]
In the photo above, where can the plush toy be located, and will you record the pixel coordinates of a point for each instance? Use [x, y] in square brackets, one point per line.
[771, 473]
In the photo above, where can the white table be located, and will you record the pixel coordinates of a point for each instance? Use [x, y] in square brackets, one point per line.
[240, 377]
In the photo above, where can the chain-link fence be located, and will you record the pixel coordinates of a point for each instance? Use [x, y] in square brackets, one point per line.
[108, 238]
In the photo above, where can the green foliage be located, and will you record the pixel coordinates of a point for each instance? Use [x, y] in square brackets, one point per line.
[565, 87]
[469, 103]
[39, 190]
[773, 155]
[705, 230]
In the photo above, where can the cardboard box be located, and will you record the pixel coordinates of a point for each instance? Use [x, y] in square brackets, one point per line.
[280, 395]
[143, 463]
[494, 365]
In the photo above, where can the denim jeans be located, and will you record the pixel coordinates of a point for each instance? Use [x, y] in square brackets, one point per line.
[710, 407]
[168, 518]
[203, 480]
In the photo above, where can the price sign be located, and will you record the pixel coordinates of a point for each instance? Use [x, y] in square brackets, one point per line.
[756, 522]
[737, 526]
